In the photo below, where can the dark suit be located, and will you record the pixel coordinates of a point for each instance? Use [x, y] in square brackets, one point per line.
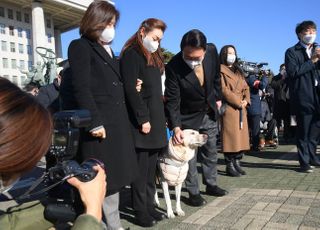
[144, 106]
[95, 84]
[304, 100]
[189, 105]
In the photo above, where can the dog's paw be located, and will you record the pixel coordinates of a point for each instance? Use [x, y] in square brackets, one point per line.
[180, 212]
[170, 214]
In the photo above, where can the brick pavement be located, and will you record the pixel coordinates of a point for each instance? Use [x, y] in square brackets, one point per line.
[274, 195]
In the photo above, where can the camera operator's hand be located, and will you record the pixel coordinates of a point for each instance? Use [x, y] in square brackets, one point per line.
[256, 84]
[92, 192]
[218, 103]
[139, 85]
[100, 132]
[177, 136]
[146, 127]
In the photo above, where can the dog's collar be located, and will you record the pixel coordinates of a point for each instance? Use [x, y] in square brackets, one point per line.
[169, 161]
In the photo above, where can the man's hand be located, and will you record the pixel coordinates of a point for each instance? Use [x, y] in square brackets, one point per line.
[101, 133]
[177, 136]
[256, 84]
[92, 192]
[139, 85]
[146, 127]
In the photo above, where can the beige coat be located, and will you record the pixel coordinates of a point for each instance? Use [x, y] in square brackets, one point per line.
[234, 89]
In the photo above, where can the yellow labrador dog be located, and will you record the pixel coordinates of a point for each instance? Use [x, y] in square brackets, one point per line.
[174, 166]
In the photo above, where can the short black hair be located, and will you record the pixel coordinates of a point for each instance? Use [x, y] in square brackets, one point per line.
[305, 25]
[194, 38]
[282, 65]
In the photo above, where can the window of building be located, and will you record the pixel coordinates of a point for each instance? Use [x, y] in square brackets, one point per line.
[15, 80]
[21, 65]
[20, 48]
[49, 38]
[13, 63]
[1, 11]
[10, 13]
[29, 50]
[2, 28]
[5, 63]
[18, 14]
[12, 47]
[26, 18]
[29, 65]
[28, 33]
[19, 32]
[48, 22]
[4, 46]
[11, 30]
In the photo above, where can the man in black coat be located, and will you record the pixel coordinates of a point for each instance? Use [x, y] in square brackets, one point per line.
[193, 95]
[302, 66]
[281, 101]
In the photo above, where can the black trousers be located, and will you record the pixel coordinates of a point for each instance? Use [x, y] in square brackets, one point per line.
[307, 138]
[143, 188]
[254, 125]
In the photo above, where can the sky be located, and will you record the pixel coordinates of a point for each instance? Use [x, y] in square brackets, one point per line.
[261, 31]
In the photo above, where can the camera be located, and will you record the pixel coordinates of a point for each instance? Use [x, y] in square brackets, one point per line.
[254, 68]
[62, 204]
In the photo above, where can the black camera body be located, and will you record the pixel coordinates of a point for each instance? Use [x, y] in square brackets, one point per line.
[254, 68]
[61, 166]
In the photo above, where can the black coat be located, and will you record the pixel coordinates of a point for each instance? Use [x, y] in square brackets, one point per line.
[255, 106]
[302, 74]
[146, 105]
[186, 100]
[96, 86]
[48, 96]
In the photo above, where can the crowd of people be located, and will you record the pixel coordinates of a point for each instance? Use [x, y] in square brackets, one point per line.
[203, 88]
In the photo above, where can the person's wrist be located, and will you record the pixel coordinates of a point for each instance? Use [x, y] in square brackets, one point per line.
[176, 129]
[94, 210]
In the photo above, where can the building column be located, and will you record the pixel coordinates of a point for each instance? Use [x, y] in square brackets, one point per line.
[58, 46]
[38, 29]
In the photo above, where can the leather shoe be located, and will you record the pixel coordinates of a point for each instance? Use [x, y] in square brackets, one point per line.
[315, 163]
[145, 221]
[216, 191]
[158, 216]
[306, 169]
[196, 200]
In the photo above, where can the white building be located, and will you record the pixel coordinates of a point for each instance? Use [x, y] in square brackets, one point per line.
[27, 24]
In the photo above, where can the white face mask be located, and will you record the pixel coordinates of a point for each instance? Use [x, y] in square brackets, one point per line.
[231, 58]
[150, 45]
[192, 63]
[107, 35]
[309, 38]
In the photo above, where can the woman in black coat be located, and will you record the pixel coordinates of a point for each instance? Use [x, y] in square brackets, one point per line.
[96, 86]
[141, 59]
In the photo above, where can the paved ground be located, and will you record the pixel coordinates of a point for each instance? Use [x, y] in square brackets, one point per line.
[274, 195]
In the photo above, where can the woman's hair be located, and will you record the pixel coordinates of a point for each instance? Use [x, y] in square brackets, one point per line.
[223, 59]
[194, 38]
[25, 129]
[153, 59]
[98, 15]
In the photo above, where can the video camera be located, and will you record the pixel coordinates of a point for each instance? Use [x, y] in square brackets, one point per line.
[60, 166]
[254, 68]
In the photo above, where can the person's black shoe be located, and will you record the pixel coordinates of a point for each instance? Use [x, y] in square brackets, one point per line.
[306, 169]
[145, 221]
[315, 163]
[216, 191]
[237, 166]
[230, 170]
[196, 200]
[158, 216]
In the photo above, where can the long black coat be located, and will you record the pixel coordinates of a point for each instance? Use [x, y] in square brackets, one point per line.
[186, 101]
[146, 105]
[97, 87]
[302, 74]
